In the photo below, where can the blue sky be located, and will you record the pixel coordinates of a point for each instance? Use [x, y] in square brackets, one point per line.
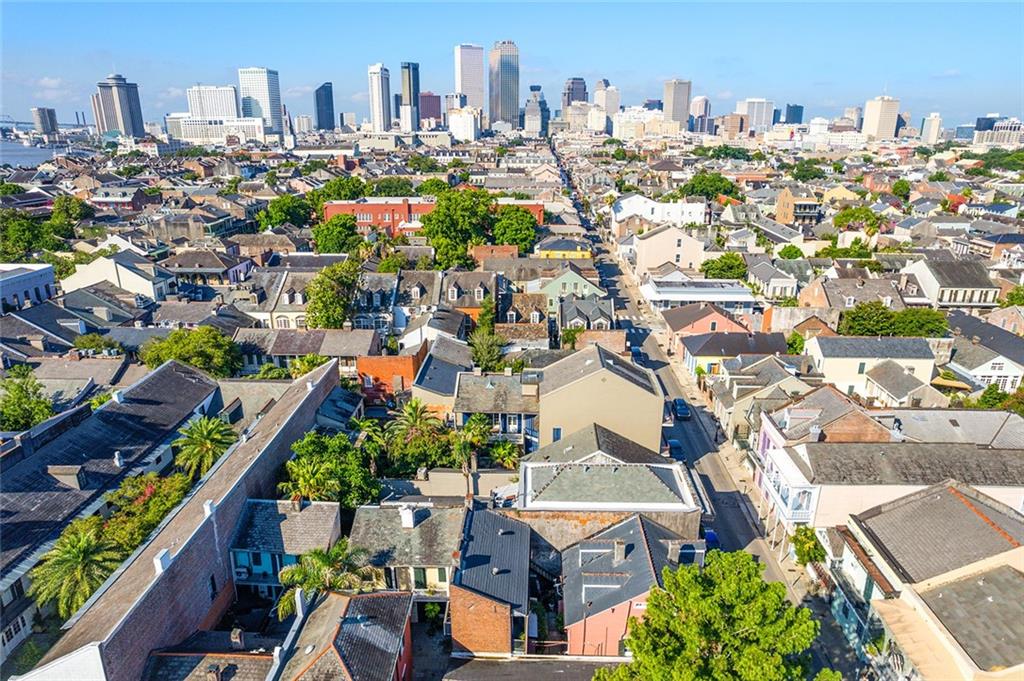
[962, 60]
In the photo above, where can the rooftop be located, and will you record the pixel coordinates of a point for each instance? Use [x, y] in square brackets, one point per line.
[286, 528]
[495, 559]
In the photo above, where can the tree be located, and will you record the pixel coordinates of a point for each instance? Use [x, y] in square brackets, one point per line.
[710, 186]
[1014, 296]
[859, 218]
[330, 293]
[8, 188]
[300, 366]
[22, 402]
[339, 568]
[96, 342]
[423, 164]
[371, 440]
[70, 210]
[329, 469]
[991, 398]
[140, 503]
[868, 319]
[270, 371]
[920, 321]
[338, 189]
[459, 218]
[901, 188]
[790, 252]
[515, 225]
[505, 453]
[467, 441]
[313, 477]
[414, 420]
[571, 336]
[485, 320]
[939, 176]
[287, 208]
[806, 545]
[20, 236]
[392, 263]
[202, 442]
[486, 349]
[204, 348]
[726, 266]
[857, 249]
[433, 187]
[392, 186]
[337, 235]
[722, 622]
[795, 344]
[806, 170]
[75, 567]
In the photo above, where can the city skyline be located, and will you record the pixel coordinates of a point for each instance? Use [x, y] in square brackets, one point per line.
[982, 74]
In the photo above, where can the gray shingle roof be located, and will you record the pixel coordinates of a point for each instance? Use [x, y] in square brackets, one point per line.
[493, 393]
[872, 346]
[894, 379]
[727, 344]
[590, 440]
[280, 527]
[378, 529]
[441, 367]
[589, 360]
[495, 559]
[991, 336]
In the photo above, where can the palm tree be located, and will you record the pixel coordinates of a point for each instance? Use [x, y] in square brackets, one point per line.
[413, 421]
[505, 453]
[201, 443]
[303, 365]
[339, 568]
[371, 440]
[312, 477]
[75, 567]
[467, 440]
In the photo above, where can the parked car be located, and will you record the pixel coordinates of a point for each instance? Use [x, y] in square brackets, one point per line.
[680, 409]
[711, 540]
[675, 449]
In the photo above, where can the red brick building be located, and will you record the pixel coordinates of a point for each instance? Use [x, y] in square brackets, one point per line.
[388, 212]
[382, 376]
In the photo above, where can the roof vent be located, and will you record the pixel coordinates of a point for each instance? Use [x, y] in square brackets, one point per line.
[117, 396]
[118, 459]
[495, 570]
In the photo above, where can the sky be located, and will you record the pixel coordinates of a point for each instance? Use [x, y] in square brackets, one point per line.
[961, 60]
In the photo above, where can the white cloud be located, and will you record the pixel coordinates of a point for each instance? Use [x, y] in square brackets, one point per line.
[360, 97]
[948, 73]
[299, 91]
[724, 94]
[51, 90]
[48, 83]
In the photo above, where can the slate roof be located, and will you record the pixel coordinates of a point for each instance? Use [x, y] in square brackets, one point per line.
[907, 463]
[440, 369]
[495, 559]
[602, 480]
[425, 282]
[594, 582]
[202, 260]
[989, 427]
[991, 336]
[589, 360]
[240, 666]
[280, 527]
[355, 637]
[985, 614]
[853, 283]
[726, 344]
[591, 440]
[298, 342]
[36, 506]
[493, 394]
[437, 533]
[894, 347]
[960, 274]
[944, 527]
[894, 379]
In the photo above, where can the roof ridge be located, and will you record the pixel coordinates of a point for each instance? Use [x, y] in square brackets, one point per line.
[988, 521]
[647, 545]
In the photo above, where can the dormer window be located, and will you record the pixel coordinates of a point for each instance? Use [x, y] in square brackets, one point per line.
[887, 301]
[849, 301]
[535, 317]
[376, 299]
[453, 293]
[417, 291]
[511, 317]
[479, 293]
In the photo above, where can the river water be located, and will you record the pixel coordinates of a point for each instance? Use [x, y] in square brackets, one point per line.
[17, 154]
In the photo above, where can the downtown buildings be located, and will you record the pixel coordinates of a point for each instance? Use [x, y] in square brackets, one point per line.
[116, 107]
[324, 100]
[575, 90]
[504, 84]
[409, 110]
[260, 91]
[380, 98]
[212, 101]
[880, 117]
[44, 120]
[469, 74]
[676, 101]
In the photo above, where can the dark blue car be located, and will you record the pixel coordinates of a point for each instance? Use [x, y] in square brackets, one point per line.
[680, 409]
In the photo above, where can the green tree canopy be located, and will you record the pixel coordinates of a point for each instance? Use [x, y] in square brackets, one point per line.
[485, 320]
[790, 252]
[205, 348]
[423, 164]
[329, 469]
[7, 188]
[726, 266]
[515, 225]
[920, 321]
[859, 218]
[806, 170]
[459, 218]
[710, 186]
[96, 342]
[21, 236]
[339, 568]
[202, 442]
[392, 263]
[337, 235]
[330, 293]
[286, 208]
[857, 250]
[300, 366]
[70, 210]
[868, 319]
[22, 401]
[806, 545]
[392, 186]
[433, 187]
[270, 371]
[939, 176]
[795, 344]
[720, 623]
[486, 349]
[901, 188]
[338, 189]
[1014, 296]
[141, 502]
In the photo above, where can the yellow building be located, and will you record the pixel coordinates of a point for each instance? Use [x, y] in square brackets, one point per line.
[562, 248]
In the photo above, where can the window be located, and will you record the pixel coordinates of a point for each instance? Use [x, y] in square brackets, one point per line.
[535, 317]
[376, 299]
[714, 326]
[419, 578]
[677, 257]
[300, 322]
[282, 323]
[556, 434]
[453, 293]
[213, 587]
[861, 367]
[257, 559]
[513, 423]
[442, 575]
[17, 590]
[998, 366]
[679, 243]
[479, 293]
[510, 317]
[849, 301]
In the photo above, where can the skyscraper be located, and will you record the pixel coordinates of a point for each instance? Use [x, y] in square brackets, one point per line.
[409, 114]
[469, 74]
[700, 112]
[44, 120]
[324, 100]
[758, 112]
[536, 114]
[430, 106]
[116, 107]
[380, 98]
[931, 128]
[676, 101]
[303, 124]
[880, 116]
[504, 90]
[855, 114]
[212, 101]
[575, 90]
[260, 91]
[794, 114]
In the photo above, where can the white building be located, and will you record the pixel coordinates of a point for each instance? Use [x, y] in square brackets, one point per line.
[931, 129]
[758, 111]
[213, 101]
[1008, 133]
[676, 212]
[464, 124]
[24, 284]
[676, 101]
[880, 115]
[215, 131]
[303, 124]
[260, 92]
[700, 111]
[380, 98]
[469, 74]
[636, 122]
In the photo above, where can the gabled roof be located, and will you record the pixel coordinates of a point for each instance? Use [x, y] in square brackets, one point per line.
[495, 559]
[590, 360]
[435, 535]
[591, 440]
[894, 347]
[991, 336]
[286, 528]
[731, 344]
[684, 315]
[440, 369]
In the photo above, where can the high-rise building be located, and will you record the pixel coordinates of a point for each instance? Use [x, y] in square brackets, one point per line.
[304, 124]
[987, 122]
[44, 120]
[855, 114]
[776, 116]
[758, 112]
[654, 105]
[396, 104]
[380, 98]
[504, 86]
[410, 118]
[464, 123]
[536, 114]
[575, 90]
[116, 107]
[348, 119]
[323, 98]
[902, 123]
[469, 74]
[964, 131]
[606, 98]
[880, 118]
[452, 101]
[931, 128]
[430, 106]
[260, 91]
[794, 114]
[212, 101]
[676, 98]
[700, 114]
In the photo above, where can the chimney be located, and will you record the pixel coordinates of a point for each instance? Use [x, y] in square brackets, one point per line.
[619, 552]
[213, 673]
[975, 340]
[508, 371]
[70, 476]
[237, 639]
[161, 561]
[408, 516]
[118, 459]
[309, 385]
[300, 604]
[478, 371]
[38, 342]
[815, 433]
[208, 508]
[117, 396]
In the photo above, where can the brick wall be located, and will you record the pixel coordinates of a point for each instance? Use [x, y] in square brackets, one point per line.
[371, 215]
[383, 371]
[479, 624]
[856, 427]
